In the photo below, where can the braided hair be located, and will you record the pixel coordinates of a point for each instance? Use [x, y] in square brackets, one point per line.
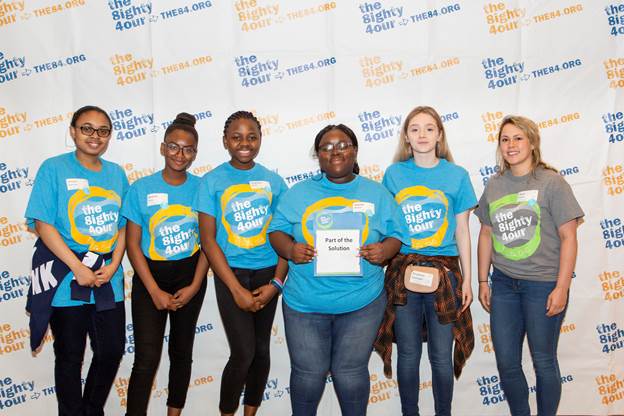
[240, 115]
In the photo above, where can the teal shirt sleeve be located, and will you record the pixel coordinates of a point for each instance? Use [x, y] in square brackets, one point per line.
[130, 208]
[124, 190]
[42, 205]
[466, 198]
[281, 221]
[386, 181]
[283, 187]
[204, 199]
[391, 218]
[395, 218]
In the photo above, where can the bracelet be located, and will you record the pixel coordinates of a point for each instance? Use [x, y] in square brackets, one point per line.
[277, 284]
[483, 281]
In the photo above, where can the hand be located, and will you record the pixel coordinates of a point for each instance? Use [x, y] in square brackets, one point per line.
[556, 302]
[264, 294]
[373, 252]
[182, 297]
[466, 295]
[104, 274]
[162, 300]
[37, 350]
[85, 276]
[245, 300]
[302, 253]
[484, 295]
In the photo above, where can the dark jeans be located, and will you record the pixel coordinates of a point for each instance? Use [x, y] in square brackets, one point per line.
[408, 329]
[518, 308]
[249, 337]
[149, 328]
[340, 344]
[106, 330]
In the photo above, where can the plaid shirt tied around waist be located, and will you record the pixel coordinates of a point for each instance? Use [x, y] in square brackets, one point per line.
[446, 302]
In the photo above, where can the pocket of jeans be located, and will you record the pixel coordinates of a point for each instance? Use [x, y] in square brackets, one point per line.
[496, 274]
[495, 279]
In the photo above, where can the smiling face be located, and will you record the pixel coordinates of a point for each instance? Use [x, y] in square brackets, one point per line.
[337, 154]
[423, 134]
[242, 140]
[93, 144]
[179, 150]
[516, 149]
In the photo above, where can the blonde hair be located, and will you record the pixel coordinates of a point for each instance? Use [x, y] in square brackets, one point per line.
[531, 131]
[404, 149]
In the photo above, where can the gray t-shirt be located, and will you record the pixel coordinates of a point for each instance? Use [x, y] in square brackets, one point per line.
[525, 213]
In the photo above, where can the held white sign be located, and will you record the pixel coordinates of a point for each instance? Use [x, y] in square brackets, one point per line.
[337, 253]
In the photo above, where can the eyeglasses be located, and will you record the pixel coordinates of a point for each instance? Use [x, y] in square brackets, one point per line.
[89, 130]
[173, 149]
[340, 146]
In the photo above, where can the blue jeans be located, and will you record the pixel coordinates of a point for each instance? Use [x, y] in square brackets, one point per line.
[408, 332]
[341, 344]
[518, 307]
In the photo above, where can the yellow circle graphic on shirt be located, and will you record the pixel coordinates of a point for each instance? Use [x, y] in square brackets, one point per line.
[185, 228]
[246, 214]
[93, 218]
[430, 196]
[331, 202]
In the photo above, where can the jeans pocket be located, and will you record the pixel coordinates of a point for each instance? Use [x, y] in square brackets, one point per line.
[496, 278]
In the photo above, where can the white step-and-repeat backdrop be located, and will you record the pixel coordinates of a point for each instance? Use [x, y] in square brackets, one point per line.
[300, 65]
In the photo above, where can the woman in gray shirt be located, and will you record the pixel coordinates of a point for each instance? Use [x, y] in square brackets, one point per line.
[529, 218]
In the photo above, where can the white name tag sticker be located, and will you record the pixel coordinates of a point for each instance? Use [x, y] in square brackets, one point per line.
[260, 185]
[526, 196]
[157, 199]
[89, 259]
[76, 183]
[367, 208]
[420, 278]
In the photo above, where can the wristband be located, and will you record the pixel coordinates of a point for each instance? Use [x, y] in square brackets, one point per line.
[483, 281]
[277, 284]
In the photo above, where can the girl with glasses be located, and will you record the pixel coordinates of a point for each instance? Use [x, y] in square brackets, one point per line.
[236, 201]
[170, 270]
[75, 209]
[333, 303]
[435, 197]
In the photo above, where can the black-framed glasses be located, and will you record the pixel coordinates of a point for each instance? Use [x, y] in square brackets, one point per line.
[174, 148]
[88, 130]
[340, 146]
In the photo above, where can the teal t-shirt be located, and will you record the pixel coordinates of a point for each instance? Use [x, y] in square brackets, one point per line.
[242, 203]
[319, 204]
[169, 227]
[429, 199]
[84, 206]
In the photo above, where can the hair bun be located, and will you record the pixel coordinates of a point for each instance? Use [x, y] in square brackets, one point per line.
[185, 118]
